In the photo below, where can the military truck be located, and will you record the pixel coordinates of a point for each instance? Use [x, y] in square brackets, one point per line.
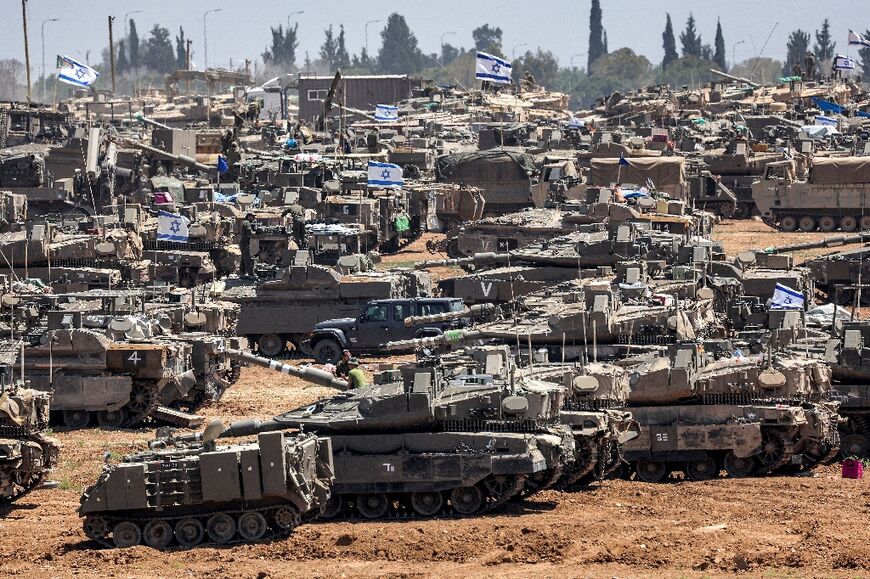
[834, 194]
[186, 490]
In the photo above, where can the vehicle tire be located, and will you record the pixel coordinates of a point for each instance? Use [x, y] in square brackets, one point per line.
[827, 223]
[651, 471]
[700, 470]
[466, 500]
[427, 504]
[221, 528]
[126, 534]
[807, 224]
[372, 506]
[158, 534]
[189, 532]
[76, 418]
[252, 526]
[864, 222]
[848, 223]
[327, 351]
[286, 518]
[741, 211]
[788, 223]
[271, 345]
[333, 507]
[112, 418]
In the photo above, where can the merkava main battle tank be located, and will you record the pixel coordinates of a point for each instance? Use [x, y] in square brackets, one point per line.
[848, 355]
[425, 440]
[746, 415]
[27, 454]
[187, 490]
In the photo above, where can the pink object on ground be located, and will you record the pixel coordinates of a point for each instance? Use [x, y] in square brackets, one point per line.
[852, 468]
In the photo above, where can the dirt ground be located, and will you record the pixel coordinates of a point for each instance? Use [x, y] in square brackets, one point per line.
[771, 526]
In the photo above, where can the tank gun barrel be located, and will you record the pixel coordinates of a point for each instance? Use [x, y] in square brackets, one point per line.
[184, 159]
[735, 78]
[489, 258]
[833, 241]
[448, 337]
[476, 310]
[146, 121]
[312, 375]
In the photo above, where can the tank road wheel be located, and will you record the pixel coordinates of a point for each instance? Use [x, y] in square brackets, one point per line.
[332, 508]
[772, 450]
[698, 470]
[466, 500]
[112, 418]
[848, 224]
[126, 534]
[76, 418]
[788, 223]
[864, 222]
[189, 532]
[158, 534]
[271, 345]
[427, 504]
[373, 506]
[252, 526]
[738, 467]
[221, 528]
[807, 224]
[827, 223]
[327, 351]
[741, 211]
[854, 445]
[96, 528]
[143, 402]
[651, 471]
[286, 519]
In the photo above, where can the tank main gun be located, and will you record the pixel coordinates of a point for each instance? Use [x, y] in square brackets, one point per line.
[447, 338]
[488, 258]
[308, 374]
[146, 121]
[478, 310]
[832, 241]
[183, 159]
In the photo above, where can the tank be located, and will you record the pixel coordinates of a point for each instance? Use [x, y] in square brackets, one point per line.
[848, 354]
[737, 167]
[27, 454]
[428, 438]
[744, 415]
[184, 491]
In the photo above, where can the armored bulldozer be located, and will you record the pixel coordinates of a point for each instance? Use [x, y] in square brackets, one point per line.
[186, 490]
[27, 455]
[744, 415]
[424, 439]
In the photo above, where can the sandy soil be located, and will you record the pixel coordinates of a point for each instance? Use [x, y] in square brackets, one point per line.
[771, 526]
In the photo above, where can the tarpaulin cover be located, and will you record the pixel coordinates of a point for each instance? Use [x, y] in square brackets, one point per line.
[829, 170]
[830, 107]
[504, 176]
[668, 173]
[818, 132]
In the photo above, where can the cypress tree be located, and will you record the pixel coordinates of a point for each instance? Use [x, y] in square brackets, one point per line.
[597, 47]
[719, 44]
[669, 43]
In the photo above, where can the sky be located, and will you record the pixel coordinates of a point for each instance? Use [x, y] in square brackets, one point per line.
[241, 28]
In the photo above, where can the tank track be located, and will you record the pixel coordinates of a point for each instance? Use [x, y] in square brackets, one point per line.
[586, 460]
[21, 483]
[144, 400]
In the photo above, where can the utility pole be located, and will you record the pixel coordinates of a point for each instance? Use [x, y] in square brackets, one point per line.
[112, 53]
[26, 46]
[42, 81]
[205, 35]
[187, 57]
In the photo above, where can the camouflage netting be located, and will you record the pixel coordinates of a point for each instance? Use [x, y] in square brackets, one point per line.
[838, 170]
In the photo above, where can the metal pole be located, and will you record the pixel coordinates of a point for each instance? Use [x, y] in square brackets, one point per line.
[734, 52]
[42, 30]
[205, 35]
[26, 46]
[291, 15]
[367, 34]
[112, 53]
[126, 20]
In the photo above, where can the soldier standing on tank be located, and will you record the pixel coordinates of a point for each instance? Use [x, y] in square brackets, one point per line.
[247, 269]
[810, 65]
[356, 378]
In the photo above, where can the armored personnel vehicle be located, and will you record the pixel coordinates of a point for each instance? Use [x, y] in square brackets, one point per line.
[744, 415]
[27, 455]
[848, 355]
[186, 490]
[425, 438]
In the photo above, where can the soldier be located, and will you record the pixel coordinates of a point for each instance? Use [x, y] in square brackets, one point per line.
[342, 369]
[247, 269]
[297, 213]
[356, 378]
[810, 63]
[373, 141]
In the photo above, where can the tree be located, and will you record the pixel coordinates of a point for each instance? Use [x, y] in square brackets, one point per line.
[282, 53]
[687, 71]
[597, 36]
[541, 64]
[824, 48]
[719, 52]
[180, 50]
[690, 39]
[796, 50]
[133, 44]
[621, 70]
[865, 58]
[328, 48]
[399, 52]
[363, 61]
[487, 39]
[669, 43]
[342, 58]
[158, 54]
[758, 69]
[449, 53]
[123, 65]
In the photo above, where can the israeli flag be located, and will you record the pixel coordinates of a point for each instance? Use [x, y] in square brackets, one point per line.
[492, 68]
[843, 63]
[386, 113]
[785, 298]
[823, 120]
[75, 73]
[856, 39]
[172, 227]
[385, 175]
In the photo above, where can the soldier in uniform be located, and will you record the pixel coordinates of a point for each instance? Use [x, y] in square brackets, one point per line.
[297, 213]
[810, 63]
[356, 378]
[342, 369]
[247, 269]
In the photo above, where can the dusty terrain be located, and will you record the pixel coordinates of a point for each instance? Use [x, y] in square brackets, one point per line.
[771, 526]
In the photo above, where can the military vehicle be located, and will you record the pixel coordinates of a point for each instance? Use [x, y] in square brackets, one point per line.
[27, 454]
[427, 438]
[833, 195]
[287, 308]
[507, 178]
[746, 415]
[848, 355]
[186, 490]
[737, 167]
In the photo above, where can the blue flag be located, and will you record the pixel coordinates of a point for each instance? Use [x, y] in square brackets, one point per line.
[385, 175]
[622, 160]
[222, 166]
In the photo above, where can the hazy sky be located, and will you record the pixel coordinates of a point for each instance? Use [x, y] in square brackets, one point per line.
[241, 28]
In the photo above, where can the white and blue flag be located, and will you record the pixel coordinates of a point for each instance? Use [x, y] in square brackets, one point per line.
[75, 73]
[842, 62]
[785, 298]
[385, 175]
[172, 227]
[386, 113]
[856, 39]
[492, 68]
[824, 120]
